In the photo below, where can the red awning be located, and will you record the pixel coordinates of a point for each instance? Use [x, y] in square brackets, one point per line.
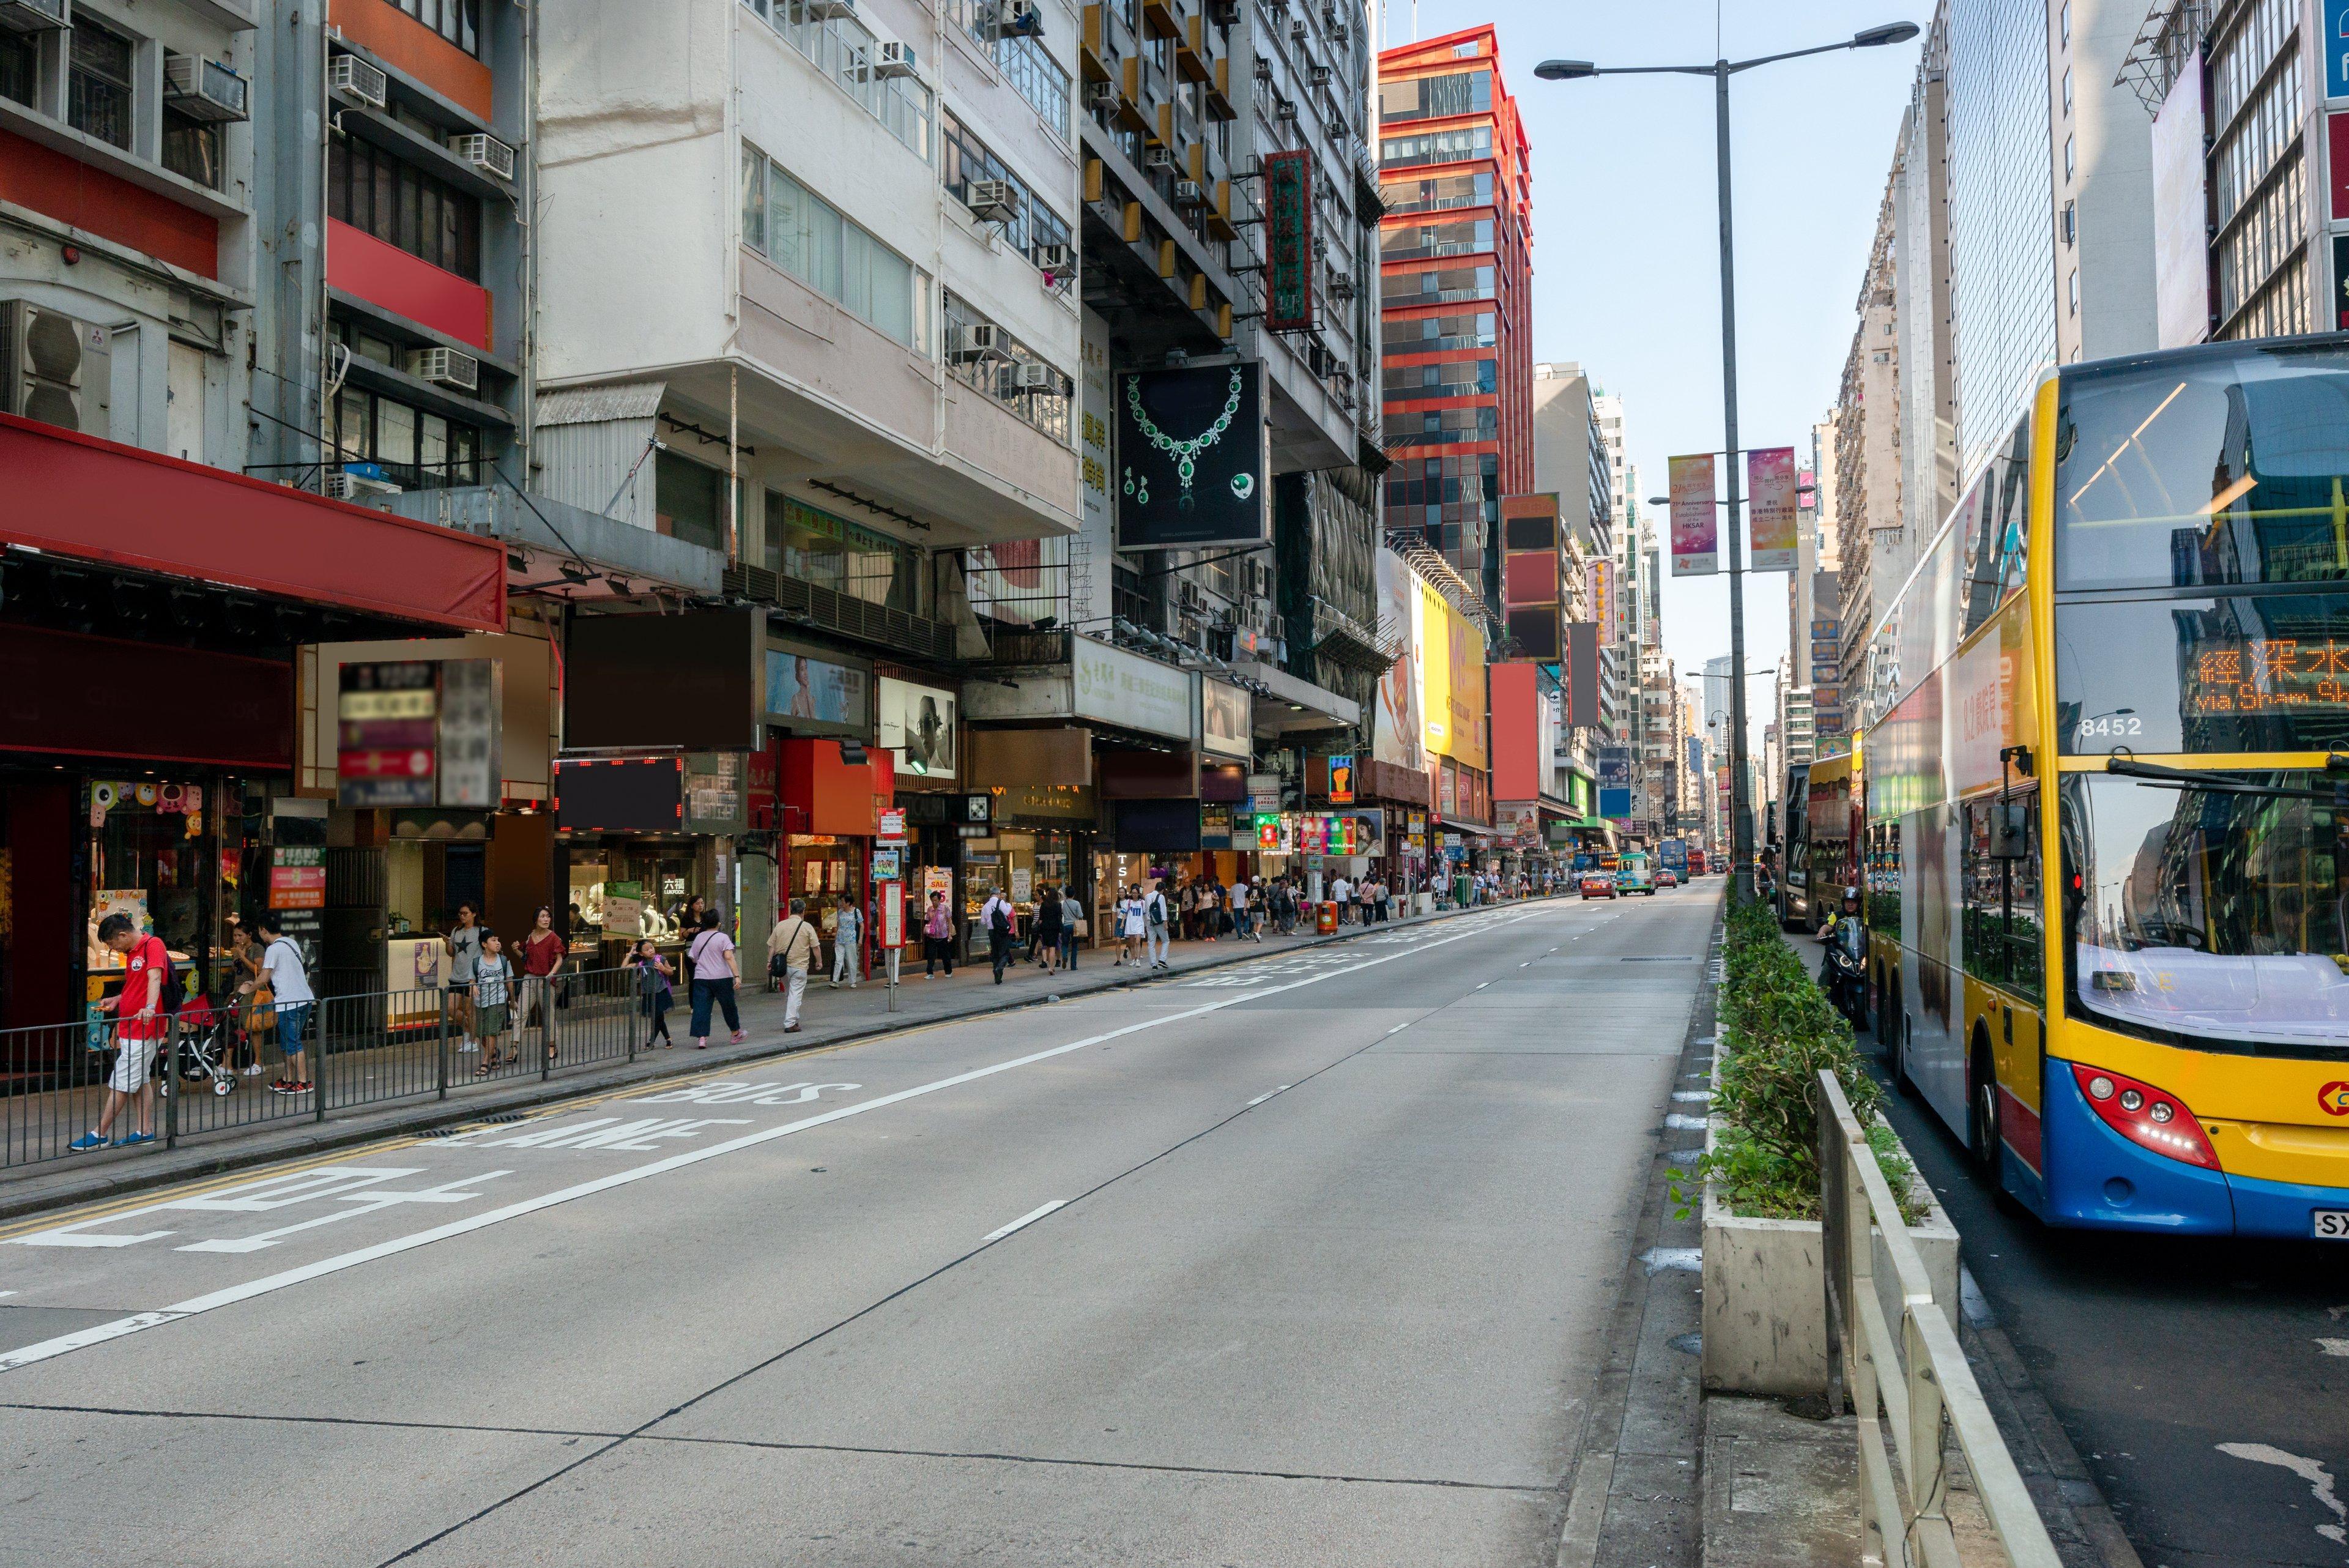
[75, 497]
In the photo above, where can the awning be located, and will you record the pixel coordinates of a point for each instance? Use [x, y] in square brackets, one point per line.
[77, 498]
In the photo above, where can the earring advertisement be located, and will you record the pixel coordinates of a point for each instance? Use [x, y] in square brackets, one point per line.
[1191, 458]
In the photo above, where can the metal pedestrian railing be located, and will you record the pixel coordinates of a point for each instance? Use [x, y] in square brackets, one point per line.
[1892, 1348]
[221, 1066]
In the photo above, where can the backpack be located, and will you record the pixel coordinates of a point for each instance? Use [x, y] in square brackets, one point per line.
[175, 987]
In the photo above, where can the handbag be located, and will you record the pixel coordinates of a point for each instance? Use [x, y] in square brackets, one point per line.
[1082, 929]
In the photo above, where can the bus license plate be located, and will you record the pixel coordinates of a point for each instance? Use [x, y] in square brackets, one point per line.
[2332, 1224]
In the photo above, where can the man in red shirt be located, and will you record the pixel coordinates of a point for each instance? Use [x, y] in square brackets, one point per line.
[140, 1029]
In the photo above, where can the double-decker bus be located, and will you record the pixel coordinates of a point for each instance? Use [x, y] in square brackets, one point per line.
[1823, 809]
[2106, 851]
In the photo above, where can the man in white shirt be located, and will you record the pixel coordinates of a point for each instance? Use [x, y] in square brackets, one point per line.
[1154, 918]
[1341, 891]
[288, 979]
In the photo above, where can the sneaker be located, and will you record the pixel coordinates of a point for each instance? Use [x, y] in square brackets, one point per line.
[134, 1138]
[88, 1141]
[467, 1047]
[281, 1086]
[739, 1036]
[255, 1071]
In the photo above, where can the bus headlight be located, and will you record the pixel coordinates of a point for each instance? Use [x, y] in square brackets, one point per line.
[2149, 1117]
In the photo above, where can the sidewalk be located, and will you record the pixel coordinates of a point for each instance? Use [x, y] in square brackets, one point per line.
[828, 1017]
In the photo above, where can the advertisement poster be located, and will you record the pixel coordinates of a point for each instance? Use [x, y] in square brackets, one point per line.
[1341, 778]
[1191, 458]
[624, 909]
[808, 689]
[1023, 884]
[1121, 688]
[918, 723]
[1096, 542]
[1395, 730]
[1289, 240]
[888, 865]
[1452, 682]
[1604, 608]
[1225, 715]
[1769, 506]
[937, 880]
[1696, 524]
[386, 722]
[297, 877]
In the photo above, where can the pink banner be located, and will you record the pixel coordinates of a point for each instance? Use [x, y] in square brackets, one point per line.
[1696, 525]
[1770, 508]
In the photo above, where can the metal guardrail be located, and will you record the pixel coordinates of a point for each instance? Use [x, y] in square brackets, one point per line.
[1892, 1348]
[361, 1050]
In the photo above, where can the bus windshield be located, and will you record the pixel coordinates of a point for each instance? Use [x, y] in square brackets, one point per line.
[2223, 466]
[2209, 918]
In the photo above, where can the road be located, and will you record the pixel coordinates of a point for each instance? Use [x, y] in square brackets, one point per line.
[1308, 1261]
[2204, 1383]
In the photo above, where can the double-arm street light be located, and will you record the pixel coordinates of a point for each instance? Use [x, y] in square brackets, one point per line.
[1741, 863]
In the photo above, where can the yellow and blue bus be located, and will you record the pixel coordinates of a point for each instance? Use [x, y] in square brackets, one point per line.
[2106, 854]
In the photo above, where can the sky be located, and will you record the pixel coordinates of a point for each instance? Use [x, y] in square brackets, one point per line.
[1626, 256]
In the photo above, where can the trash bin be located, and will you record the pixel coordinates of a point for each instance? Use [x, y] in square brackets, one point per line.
[1325, 918]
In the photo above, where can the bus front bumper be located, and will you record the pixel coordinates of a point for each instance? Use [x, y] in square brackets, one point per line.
[2097, 1177]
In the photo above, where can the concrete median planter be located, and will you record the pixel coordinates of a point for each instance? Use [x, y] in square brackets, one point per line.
[1764, 1300]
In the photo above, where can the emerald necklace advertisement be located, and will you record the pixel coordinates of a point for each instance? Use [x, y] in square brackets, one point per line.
[1191, 458]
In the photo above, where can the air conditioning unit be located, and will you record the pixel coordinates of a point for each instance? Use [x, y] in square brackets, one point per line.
[1264, 69]
[1299, 32]
[829, 10]
[34, 16]
[484, 153]
[895, 59]
[55, 369]
[1187, 193]
[204, 90]
[354, 78]
[1053, 258]
[446, 368]
[1157, 159]
[1101, 95]
[1189, 597]
[1337, 33]
[977, 340]
[1317, 75]
[1341, 283]
[992, 201]
[349, 485]
[1030, 376]
[1018, 19]
[1288, 110]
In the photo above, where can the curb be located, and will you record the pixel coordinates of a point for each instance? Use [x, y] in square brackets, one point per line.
[395, 1121]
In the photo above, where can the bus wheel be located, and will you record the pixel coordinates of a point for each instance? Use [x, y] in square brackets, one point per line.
[1900, 1078]
[1982, 1122]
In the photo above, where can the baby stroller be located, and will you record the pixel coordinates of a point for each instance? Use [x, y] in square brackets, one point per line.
[206, 1041]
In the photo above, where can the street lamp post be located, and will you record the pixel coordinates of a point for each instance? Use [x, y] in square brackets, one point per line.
[1742, 868]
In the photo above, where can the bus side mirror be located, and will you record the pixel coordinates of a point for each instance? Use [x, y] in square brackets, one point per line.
[2010, 831]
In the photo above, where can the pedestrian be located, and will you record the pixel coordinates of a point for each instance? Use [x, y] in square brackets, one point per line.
[1157, 917]
[654, 992]
[995, 915]
[492, 999]
[794, 944]
[142, 1024]
[243, 964]
[938, 936]
[543, 955]
[463, 943]
[1134, 936]
[1341, 893]
[715, 969]
[848, 947]
[1072, 928]
[1044, 937]
[289, 981]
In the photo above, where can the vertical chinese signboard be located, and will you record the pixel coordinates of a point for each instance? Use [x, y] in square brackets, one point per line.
[1289, 241]
[387, 730]
[1769, 506]
[1696, 526]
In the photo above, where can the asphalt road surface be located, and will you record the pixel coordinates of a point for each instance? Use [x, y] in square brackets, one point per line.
[2204, 1383]
[1308, 1261]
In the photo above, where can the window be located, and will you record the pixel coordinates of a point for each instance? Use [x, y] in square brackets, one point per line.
[20, 68]
[2071, 227]
[843, 49]
[2072, 292]
[1436, 147]
[459, 21]
[419, 450]
[1025, 63]
[963, 157]
[2067, 90]
[2063, 23]
[191, 148]
[1435, 97]
[375, 194]
[815, 547]
[1000, 377]
[98, 83]
[807, 237]
[2071, 156]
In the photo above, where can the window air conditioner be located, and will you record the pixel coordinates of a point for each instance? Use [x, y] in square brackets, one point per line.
[1224, 13]
[55, 369]
[977, 340]
[1053, 258]
[446, 368]
[1032, 376]
[1157, 158]
[1288, 110]
[204, 90]
[1187, 193]
[1299, 32]
[1341, 283]
[34, 16]
[1317, 75]
[1019, 19]
[895, 59]
[354, 78]
[360, 487]
[1101, 95]
[484, 153]
[992, 201]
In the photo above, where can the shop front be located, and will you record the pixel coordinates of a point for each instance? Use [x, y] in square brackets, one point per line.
[831, 794]
[640, 839]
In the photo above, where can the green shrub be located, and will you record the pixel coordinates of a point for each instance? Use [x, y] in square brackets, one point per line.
[1777, 1032]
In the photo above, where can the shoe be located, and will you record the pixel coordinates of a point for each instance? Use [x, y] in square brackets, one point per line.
[739, 1037]
[134, 1138]
[469, 1047]
[255, 1071]
[281, 1087]
[88, 1141]
[791, 1029]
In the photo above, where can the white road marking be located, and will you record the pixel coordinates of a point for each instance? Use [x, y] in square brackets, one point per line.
[1028, 1219]
[268, 1284]
[1686, 1124]
[2313, 1471]
[1692, 1097]
[2324, 1346]
[1282, 1090]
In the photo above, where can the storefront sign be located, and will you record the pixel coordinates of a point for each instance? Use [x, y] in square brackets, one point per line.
[1096, 542]
[814, 697]
[297, 877]
[891, 826]
[1289, 240]
[1696, 525]
[1121, 688]
[978, 808]
[472, 714]
[713, 792]
[1191, 457]
[918, 723]
[936, 880]
[1055, 803]
[642, 794]
[1341, 778]
[888, 864]
[387, 734]
[1264, 792]
[1770, 508]
[624, 909]
[1215, 829]
[1224, 719]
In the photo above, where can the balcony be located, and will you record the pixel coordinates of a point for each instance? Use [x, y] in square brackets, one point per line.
[1191, 51]
[1159, 20]
[1218, 95]
[1094, 53]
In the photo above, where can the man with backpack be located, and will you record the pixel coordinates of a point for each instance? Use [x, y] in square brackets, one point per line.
[142, 1010]
[996, 916]
[1155, 915]
[288, 979]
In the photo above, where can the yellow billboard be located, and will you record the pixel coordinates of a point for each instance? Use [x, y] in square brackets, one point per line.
[1452, 691]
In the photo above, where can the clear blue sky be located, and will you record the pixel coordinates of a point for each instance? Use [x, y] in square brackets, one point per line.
[1626, 276]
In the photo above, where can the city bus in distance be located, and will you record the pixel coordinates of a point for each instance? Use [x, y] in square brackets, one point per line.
[1696, 861]
[2105, 853]
[1823, 812]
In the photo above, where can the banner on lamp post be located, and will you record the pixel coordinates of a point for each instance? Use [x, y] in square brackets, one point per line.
[1771, 506]
[1696, 525]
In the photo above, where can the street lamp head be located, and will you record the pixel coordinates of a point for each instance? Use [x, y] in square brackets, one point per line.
[1890, 33]
[1567, 70]
[1659, 500]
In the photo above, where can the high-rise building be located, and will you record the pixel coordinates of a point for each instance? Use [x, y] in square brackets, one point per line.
[1456, 255]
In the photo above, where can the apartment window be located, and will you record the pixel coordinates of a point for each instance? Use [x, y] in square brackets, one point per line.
[191, 148]
[2071, 223]
[815, 547]
[1434, 98]
[1025, 63]
[1436, 147]
[1001, 375]
[690, 501]
[963, 157]
[2064, 24]
[2072, 292]
[375, 193]
[2071, 156]
[806, 236]
[2067, 90]
[417, 449]
[459, 21]
[20, 67]
[98, 83]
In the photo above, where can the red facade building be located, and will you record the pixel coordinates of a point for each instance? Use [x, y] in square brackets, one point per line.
[1456, 277]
